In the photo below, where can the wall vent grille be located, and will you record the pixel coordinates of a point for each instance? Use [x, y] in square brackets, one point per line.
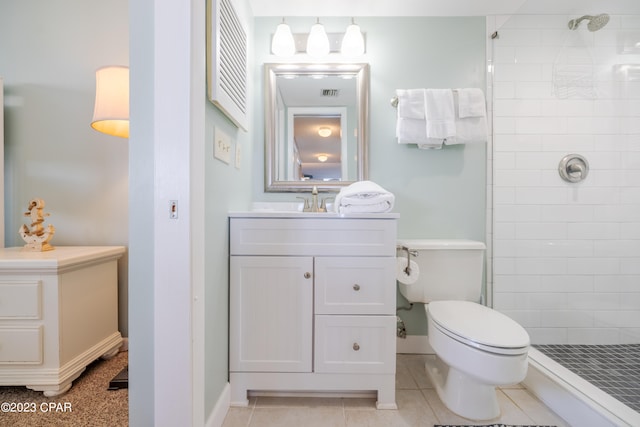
[227, 76]
[330, 92]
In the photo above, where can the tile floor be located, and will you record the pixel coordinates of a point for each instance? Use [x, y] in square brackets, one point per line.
[418, 405]
[614, 369]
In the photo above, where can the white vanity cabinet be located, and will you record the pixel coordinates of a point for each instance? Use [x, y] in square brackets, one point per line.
[312, 305]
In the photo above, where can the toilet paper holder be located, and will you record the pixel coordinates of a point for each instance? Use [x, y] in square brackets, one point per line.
[409, 252]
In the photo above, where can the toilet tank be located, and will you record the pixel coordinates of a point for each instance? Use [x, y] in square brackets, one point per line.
[448, 270]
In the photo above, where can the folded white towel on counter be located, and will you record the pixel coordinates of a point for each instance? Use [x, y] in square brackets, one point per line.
[363, 197]
[440, 113]
[410, 103]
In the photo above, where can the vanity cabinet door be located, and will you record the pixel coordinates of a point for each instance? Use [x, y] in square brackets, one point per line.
[271, 313]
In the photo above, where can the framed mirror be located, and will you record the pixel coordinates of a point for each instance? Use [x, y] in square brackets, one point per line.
[316, 130]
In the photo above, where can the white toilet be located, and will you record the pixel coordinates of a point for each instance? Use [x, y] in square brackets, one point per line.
[477, 348]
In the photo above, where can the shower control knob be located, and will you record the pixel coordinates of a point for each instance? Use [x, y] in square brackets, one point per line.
[356, 287]
[573, 168]
[307, 275]
[356, 346]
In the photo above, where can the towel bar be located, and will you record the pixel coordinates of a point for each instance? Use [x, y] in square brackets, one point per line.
[394, 100]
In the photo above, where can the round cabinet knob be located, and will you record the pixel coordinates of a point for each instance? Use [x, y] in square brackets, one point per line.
[356, 287]
[307, 275]
[356, 346]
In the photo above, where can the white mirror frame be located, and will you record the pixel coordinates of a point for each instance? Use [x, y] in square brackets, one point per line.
[271, 72]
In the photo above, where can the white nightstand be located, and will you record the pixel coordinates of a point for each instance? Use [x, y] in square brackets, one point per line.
[58, 313]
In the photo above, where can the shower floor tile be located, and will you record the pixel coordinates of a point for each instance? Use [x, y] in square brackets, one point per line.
[615, 369]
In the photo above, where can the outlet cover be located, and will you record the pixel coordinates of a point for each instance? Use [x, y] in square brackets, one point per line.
[222, 146]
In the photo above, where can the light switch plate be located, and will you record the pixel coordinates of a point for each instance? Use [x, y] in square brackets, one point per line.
[222, 146]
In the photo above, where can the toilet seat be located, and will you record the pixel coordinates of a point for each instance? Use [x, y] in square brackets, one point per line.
[478, 326]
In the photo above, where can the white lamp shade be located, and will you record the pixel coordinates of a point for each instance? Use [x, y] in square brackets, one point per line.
[111, 111]
[353, 41]
[318, 42]
[282, 43]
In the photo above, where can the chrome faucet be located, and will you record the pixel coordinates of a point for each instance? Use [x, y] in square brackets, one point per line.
[312, 206]
[314, 200]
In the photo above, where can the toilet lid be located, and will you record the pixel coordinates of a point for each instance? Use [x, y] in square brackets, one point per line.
[479, 326]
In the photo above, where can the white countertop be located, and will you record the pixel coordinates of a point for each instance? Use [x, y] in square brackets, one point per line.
[322, 215]
[294, 210]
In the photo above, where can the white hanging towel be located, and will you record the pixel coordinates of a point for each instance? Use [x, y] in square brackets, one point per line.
[471, 117]
[471, 103]
[363, 197]
[440, 117]
[411, 103]
[440, 113]
[411, 125]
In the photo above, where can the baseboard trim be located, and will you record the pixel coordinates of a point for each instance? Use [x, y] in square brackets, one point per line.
[414, 344]
[217, 416]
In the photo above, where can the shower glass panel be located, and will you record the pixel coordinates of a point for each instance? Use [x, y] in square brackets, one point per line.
[566, 253]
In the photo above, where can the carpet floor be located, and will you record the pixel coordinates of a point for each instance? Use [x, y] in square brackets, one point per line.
[89, 403]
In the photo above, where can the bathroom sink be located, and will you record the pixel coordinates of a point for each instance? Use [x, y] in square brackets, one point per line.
[286, 207]
[294, 210]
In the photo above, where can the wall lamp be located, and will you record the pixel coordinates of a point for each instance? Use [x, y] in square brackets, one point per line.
[111, 110]
[318, 42]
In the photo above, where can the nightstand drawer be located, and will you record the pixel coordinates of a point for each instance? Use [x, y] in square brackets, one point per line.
[21, 345]
[20, 299]
[355, 344]
[355, 285]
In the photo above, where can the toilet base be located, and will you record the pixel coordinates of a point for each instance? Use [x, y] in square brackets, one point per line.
[462, 394]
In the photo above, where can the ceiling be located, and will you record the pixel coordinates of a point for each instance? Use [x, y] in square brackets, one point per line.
[359, 8]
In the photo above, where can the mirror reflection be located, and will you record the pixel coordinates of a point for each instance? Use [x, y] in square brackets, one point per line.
[315, 125]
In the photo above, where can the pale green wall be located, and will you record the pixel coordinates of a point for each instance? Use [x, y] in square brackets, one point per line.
[439, 194]
[226, 189]
[49, 52]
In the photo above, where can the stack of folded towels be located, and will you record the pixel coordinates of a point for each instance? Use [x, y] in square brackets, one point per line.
[433, 117]
[363, 197]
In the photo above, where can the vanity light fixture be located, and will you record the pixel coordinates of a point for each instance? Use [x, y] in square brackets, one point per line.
[323, 158]
[324, 131]
[282, 43]
[318, 42]
[353, 41]
[111, 110]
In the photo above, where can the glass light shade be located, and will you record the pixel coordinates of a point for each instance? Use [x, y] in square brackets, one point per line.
[318, 42]
[323, 158]
[111, 110]
[282, 43]
[324, 132]
[353, 41]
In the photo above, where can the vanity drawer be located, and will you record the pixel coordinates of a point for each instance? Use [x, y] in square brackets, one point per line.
[21, 345]
[355, 344]
[355, 285]
[313, 236]
[20, 299]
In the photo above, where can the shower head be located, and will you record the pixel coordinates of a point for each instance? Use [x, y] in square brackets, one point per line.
[595, 22]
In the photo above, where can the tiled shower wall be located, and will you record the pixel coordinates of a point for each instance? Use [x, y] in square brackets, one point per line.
[566, 257]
